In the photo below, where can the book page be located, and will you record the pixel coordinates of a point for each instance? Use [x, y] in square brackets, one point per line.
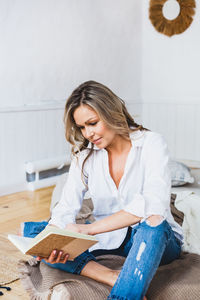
[54, 230]
[22, 243]
[57, 230]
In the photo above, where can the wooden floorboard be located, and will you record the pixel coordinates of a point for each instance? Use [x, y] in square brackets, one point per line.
[15, 209]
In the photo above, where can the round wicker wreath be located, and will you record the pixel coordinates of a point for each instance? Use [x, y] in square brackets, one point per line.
[175, 26]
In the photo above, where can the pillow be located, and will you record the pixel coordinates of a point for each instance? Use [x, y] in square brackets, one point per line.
[180, 173]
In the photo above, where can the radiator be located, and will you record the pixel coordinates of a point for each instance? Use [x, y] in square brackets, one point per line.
[44, 173]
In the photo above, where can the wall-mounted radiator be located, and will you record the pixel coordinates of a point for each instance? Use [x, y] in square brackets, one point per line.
[43, 173]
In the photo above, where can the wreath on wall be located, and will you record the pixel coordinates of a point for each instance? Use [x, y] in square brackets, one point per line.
[174, 26]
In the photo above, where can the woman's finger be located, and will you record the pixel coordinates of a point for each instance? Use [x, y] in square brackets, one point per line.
[39, 258]
[59, 257]
[62, 258]
[55, 257]
[65, 258]
[52, 257]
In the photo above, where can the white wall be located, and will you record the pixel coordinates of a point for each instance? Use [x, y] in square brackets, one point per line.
[47, 48]
[170, 85]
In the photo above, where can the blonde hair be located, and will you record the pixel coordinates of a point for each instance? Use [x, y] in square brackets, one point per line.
[110, 108]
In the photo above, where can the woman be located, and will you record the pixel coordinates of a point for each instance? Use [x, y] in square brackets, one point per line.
[125, 168]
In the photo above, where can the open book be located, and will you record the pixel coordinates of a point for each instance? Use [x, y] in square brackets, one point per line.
[52, 238]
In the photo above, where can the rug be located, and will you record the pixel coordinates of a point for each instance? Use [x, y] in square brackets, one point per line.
[9, 258]
[178, 280]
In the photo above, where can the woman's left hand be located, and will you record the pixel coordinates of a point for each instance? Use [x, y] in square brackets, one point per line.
[81, 228]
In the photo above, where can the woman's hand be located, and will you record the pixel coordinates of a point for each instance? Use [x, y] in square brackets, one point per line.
[55, 257]
[81, 228]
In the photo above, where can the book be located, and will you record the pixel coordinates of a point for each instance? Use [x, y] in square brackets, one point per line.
[52, 238]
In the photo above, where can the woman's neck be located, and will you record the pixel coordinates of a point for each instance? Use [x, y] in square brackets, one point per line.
[119, 145]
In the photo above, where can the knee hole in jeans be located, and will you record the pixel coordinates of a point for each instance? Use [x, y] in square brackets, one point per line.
[156, 221]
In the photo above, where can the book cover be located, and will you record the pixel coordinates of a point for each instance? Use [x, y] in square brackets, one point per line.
[52, 238]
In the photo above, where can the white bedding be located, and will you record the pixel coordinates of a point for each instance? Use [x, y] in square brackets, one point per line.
[188, 201]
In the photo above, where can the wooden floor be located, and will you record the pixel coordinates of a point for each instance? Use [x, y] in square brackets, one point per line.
[17, 208]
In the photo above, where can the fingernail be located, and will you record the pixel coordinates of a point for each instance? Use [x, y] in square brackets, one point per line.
[54, 252]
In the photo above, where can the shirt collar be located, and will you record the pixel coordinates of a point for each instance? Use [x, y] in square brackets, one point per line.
[137, 139]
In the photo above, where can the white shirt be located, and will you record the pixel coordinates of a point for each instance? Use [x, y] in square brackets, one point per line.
[144, 189]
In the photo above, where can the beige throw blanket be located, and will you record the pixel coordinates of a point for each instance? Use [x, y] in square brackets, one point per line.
[179, 280]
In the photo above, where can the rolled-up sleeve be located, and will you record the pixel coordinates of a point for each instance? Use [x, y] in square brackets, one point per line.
[72, 196]
[155, 196]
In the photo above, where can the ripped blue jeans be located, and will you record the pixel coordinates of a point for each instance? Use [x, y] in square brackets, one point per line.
[145, 248]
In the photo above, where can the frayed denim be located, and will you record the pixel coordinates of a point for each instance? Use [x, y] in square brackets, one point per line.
[147, 248]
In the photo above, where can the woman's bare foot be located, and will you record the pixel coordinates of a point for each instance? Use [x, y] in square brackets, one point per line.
[19, 232]
[114, 276]
[101, 273]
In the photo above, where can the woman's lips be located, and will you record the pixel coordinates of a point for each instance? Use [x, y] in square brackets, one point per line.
[96, 141]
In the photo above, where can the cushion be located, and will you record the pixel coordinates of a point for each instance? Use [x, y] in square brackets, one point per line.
[180, 173]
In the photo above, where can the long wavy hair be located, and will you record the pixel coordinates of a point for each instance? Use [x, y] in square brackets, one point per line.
[109, 107]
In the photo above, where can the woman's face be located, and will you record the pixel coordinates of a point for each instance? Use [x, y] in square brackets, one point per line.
[92, 127]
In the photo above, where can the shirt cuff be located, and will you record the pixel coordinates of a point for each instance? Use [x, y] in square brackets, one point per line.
[137, 208]
[159, 211]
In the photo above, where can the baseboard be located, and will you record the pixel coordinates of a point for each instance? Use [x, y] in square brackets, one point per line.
[11, 189]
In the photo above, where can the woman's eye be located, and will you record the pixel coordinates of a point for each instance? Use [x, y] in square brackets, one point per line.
[90, 124]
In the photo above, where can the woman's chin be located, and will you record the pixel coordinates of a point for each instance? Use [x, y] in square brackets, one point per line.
[99, 144]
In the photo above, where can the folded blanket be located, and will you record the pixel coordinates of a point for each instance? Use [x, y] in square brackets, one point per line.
[178, 280]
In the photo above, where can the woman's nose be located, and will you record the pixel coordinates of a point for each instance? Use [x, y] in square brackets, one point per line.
[89, 133]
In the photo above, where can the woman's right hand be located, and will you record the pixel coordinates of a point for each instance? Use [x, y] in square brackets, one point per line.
[55, 257]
